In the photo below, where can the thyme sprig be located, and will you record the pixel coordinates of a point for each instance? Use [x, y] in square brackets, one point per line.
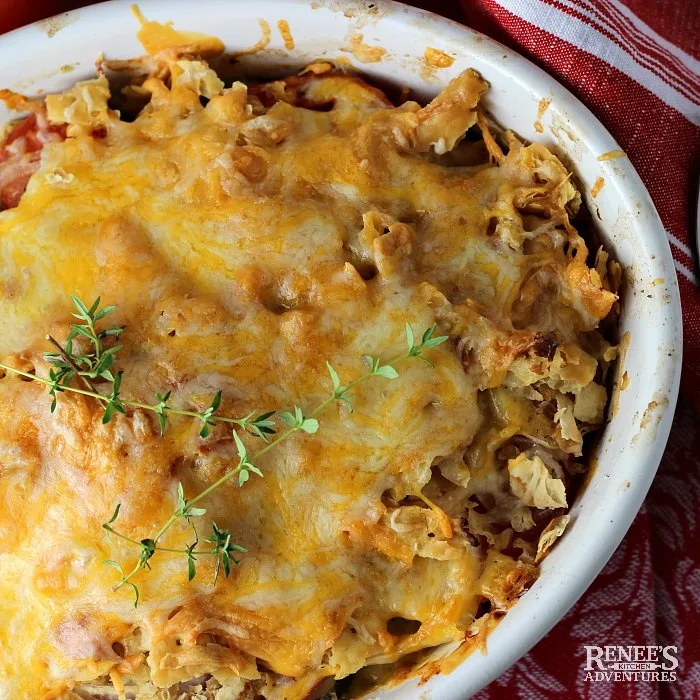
[96, 365]
[224, 548]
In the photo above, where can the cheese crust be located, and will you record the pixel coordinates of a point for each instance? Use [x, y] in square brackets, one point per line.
[248, 234]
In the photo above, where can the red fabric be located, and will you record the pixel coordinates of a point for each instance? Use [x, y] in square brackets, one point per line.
[649, 593]
[684, 33]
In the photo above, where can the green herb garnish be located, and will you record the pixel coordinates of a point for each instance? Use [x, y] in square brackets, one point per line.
[97, 366]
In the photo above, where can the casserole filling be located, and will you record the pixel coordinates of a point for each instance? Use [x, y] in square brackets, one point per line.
[248, 233]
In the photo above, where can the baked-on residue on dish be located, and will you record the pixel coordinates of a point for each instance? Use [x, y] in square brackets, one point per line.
[247, 234]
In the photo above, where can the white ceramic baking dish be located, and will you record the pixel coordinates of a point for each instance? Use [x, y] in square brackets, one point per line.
[633, 442]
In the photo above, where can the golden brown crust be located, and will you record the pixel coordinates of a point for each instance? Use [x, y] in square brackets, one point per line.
[246, 238]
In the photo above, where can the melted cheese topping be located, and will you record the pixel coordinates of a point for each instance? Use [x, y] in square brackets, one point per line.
[246, 242]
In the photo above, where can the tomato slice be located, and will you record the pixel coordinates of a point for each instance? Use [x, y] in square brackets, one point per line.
[20, 156]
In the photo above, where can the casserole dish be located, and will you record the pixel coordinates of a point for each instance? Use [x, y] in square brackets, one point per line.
[388, 42]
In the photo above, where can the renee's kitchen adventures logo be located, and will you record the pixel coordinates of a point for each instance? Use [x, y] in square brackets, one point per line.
[631, 663]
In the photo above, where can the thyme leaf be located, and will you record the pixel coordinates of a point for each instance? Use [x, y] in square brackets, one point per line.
[208, 417]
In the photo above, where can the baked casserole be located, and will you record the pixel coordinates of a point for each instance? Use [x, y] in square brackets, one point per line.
[259, 240]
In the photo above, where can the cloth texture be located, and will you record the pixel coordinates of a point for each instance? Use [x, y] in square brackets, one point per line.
[635, 64]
